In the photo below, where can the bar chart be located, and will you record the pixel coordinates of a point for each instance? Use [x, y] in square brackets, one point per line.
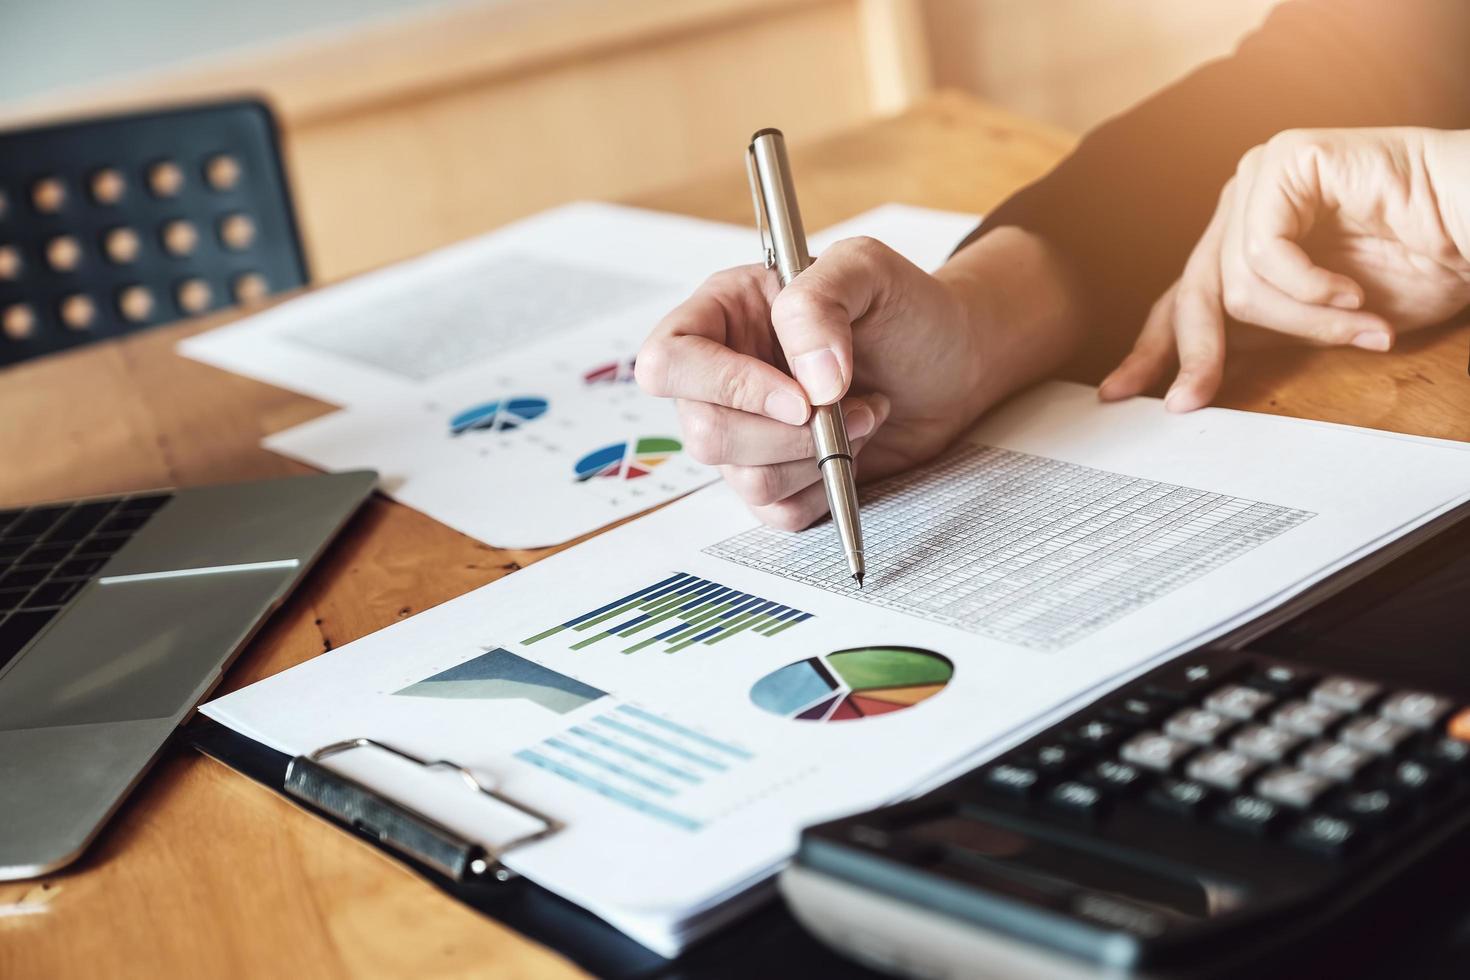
[676, 613]
[645, 762]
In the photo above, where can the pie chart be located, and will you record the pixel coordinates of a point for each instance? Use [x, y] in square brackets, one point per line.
[612, 373]
[627, 460]
[852, 684]
[501, 415]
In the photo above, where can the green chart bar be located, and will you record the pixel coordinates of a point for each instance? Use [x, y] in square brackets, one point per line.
[679, 612]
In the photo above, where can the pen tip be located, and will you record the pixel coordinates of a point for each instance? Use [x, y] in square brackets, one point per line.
[858, 578]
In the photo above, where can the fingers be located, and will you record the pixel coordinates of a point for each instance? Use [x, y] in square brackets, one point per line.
[1151, 357]
[1285, 265]
[813, 316]
[1250, 266]
[797, 512]
[719, 436]
[1282, 205]
[702, 370]
[1199, 332]
[687, 355]
[790, 495]
[1251, 299]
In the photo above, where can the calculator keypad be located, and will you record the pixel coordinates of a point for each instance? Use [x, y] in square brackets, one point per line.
[1268, 750]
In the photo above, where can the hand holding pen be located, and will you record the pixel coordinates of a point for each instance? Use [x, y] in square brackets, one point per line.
[908, 358]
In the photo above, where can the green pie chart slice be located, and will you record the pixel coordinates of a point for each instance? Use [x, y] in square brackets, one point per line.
[869, 667]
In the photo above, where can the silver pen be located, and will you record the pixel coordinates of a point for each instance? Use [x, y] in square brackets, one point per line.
[784, 243]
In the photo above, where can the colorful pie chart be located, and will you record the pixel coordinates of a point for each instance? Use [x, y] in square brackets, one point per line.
[627, 460]
[501, 415]
[852, 684]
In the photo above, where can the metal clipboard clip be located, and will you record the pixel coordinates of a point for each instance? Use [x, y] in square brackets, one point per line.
[402, 828]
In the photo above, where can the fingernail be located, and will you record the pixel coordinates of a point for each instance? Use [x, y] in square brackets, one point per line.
[859, 421]
[819, 374]
[1346, 301]
[783, 406]
[1372, 340]
[1178, 400]
[1104, 390]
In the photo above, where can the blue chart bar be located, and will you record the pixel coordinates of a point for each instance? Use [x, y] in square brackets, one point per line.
[678, 612]
[638, 760]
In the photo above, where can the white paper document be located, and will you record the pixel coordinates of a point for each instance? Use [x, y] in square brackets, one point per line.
[491, 384]
[687, 691]
[546, 282]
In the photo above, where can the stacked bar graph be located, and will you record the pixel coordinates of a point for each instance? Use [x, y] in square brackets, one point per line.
[679, 612]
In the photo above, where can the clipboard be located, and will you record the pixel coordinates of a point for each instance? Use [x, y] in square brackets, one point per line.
[768, 941]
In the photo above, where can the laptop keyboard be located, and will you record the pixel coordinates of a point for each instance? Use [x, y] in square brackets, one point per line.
[49, 553]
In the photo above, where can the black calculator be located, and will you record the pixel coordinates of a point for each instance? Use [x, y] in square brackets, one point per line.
[1291, 801]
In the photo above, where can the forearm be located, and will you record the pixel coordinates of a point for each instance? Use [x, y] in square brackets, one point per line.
[1023, 307]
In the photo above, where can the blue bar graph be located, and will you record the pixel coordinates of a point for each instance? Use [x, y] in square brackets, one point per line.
[639, 760]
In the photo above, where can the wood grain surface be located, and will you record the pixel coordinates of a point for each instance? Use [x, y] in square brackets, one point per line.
[203, 873]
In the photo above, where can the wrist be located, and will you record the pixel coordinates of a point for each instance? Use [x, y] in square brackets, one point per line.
[1019, 308]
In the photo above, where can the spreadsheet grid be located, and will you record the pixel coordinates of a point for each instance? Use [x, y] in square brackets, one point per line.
[1026, 549]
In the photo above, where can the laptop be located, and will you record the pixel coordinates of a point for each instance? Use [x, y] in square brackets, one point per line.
[117, 616]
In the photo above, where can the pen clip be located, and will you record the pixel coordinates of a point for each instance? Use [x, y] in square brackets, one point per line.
[762, 222]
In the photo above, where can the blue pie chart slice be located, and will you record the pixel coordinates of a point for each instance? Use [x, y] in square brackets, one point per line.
[501, 415]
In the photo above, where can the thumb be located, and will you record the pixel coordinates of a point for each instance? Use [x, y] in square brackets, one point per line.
[813, 317]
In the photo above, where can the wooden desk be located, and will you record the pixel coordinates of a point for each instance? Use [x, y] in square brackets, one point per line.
[205, 874]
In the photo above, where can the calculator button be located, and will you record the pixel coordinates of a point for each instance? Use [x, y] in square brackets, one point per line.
[1416, 778]
[1281, 679]
[1221, 768]
[1370, 806]
[1187, 683]
[1265, 743]
[1305, 718]
[1182, 796]
[1345, 693]
[1135, 710]
[1327, 835]
[1451, 753]
[1415, 709]
[1251, 814]
[1095, 734]
[1115, 777]
[1377, 735]
[1054, 757]
[1076, 799]
[1152, 750]
[1197, 725]
[1238, 701]
[1333, 760]
[1012, 779]
[1291, 787]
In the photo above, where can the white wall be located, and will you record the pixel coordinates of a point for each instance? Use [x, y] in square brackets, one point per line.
[47, 45]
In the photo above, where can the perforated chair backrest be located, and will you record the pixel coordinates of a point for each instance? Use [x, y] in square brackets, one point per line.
[116, 224]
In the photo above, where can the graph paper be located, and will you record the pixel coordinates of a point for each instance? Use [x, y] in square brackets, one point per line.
[1026, 549]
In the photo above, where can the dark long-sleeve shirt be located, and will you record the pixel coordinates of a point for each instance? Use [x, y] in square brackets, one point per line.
[1126, 207]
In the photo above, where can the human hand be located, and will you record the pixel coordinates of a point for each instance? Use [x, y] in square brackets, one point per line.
[1330, 236]
[861, 325]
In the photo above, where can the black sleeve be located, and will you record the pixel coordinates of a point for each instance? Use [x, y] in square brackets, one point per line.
[1126, 207]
